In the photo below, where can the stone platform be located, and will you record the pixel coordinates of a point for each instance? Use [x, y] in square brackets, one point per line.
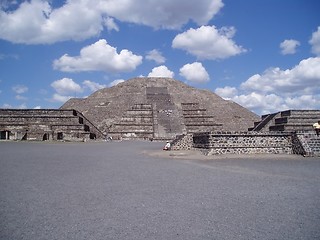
[46, 124]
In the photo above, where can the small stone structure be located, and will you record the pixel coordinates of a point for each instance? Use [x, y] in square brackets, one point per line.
[286, 132]
[46, 124]
[213, 143]
[305, 143]
[287, 121]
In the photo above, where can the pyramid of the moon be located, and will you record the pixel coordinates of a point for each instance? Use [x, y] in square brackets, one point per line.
[160, 108]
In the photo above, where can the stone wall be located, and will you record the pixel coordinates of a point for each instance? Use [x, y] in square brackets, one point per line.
[183, 142]
[305, 143]
[213, 143]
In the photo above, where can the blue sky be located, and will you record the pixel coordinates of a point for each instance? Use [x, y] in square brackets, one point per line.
[262, 54]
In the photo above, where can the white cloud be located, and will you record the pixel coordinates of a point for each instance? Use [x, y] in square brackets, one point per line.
[156, 56]
[116, 82]
[303, 78]
[99, 56]
[37, 107]
[276, 89]
[37, 22]
[161, 71]
[93, 86]
[162, 14]
[194, 72]
[289, 46]
[60, 98]
[315, 42]
[207, 42]
[110, 24]
[227, 92]
[19, 89]
[66, 86]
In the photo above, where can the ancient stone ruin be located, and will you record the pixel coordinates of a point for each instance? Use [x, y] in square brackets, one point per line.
[286, 132]
[46, 124]
[163, 109]
[160, 108]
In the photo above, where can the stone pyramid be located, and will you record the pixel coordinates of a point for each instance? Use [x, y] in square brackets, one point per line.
[160, 108]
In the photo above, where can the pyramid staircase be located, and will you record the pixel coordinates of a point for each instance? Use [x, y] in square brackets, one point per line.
[167, 120]
[299, 123]
[288, 121]
[137, 122]
[196, 119]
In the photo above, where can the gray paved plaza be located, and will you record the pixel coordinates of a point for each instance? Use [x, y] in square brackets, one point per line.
[122, 190]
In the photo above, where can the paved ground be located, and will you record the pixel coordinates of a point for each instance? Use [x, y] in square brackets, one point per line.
[133, 190]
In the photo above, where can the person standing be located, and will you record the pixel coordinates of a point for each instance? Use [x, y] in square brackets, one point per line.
[316, 127]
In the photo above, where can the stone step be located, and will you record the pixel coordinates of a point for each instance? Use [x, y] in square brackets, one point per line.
[139, 112]
[297, 120]
[35, 112]
[39, 119]
[291, 127]
[142, 106]
[306, 113]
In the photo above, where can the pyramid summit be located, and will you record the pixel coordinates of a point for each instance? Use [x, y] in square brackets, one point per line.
[160, 108]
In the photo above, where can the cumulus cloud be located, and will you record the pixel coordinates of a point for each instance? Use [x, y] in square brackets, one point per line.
[66, 86]
[19, 89]
[93, 86]
[303, 78]
[110, 24]
[156, 56]
[289, 46]
[208, 42]
[99, 56]
[116, 82]
[166, 14]
[161, 71]
[227, 92]
[276, 89]
[194, 72]
[315, 42]
[38, 22]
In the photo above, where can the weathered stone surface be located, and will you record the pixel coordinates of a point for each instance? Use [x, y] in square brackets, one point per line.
[46, 124]
[173, 107]
[305, 143]
[290, 120]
